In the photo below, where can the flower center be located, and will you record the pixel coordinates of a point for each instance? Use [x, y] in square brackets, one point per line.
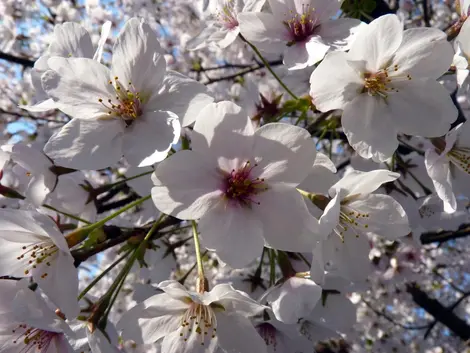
[199, 319]
[34, 340]
[351, 220]
[34, 255]
[460, 157]
[127, 104]
[380, 83]
[301, 26]
[227, 16]
[241, 187]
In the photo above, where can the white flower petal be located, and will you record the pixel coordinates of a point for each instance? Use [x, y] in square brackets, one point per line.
[385, 216]
[357, 182]
[230, 328]
[187, 185]
[338, 313]
[422, 107]
[438, 169]
[223, 130]
[61, 283]
[294, 299]
[370, 128]
[105, 29]
[330, 218]
[181, 95]
[297, 57]
[234, 233]
[71, 39]
[76, 84]
[339, 33]
[464, 38]
[376, 43]
[348, 259]
[424, 52]
[284, 153]
[148, 139]
[334, 83]
[152, 319]
[87, 144]
[263, 30]
[138, 57]
[287, 224]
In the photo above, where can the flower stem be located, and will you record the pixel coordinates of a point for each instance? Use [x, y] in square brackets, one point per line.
[200, 267]
[118, 212]
[102, 274]
[66, 214]
[109, 186]
[111, 294]
[266, 63]
[81, 234]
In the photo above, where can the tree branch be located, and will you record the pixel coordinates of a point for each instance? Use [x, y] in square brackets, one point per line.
[17, 60]
[446, 235]
[442, 314]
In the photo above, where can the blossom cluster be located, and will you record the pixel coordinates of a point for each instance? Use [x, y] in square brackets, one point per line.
[230, 187]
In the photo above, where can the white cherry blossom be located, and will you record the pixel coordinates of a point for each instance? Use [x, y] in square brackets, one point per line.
[240, 183]
[351, 213]
[448, 165]
[223, 28]
[70, 39]
[303, 30]
[195, 322]
[131, 110]
[34, 169]
[386, 84]
[27, 324]
[31, 245]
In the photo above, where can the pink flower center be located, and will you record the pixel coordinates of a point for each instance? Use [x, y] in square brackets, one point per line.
[227, 16]
[240, 185]
[127, 104]
[32, 339]
[301, 26]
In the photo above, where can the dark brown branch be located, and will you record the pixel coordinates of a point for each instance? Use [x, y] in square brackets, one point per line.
[116, 236]
[382, 314]
[442, 314]
[446, 235]
[242, 72]
[17, 60]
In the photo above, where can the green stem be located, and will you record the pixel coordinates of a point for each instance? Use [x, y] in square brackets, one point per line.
[272, 262]
[102, 274]
[118, 212]
[109, 186]
[265, 62]
[66, 214]
[197, 248]
[186, 275]
[81, 234]
[113, 291]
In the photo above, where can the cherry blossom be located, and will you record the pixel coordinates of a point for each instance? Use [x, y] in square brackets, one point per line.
[448, 165]
[240, 183]
[33, 246]
[128, 110]
[192, 322]
[386, 85]
[303, 30]
[223, 26]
